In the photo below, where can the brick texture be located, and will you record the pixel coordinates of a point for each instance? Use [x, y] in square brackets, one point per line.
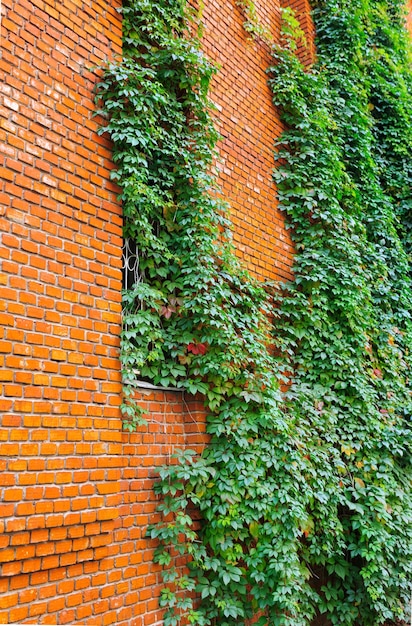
[248, 124]
[301, 8]
[75, 491]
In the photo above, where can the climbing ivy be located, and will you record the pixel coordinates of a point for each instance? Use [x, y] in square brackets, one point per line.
[304, 494]
[345, 321]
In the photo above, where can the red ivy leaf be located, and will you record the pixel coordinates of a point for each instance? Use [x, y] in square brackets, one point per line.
[197, 348]
[167, 311]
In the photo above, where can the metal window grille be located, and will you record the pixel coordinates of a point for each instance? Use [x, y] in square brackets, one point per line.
[131, 274]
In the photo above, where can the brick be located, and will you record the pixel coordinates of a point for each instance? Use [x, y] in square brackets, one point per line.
[12, 495]
[11, 569]
[17, 614]
[37, 608]
[7, 555]
[31, 565]
[19, 582]
[57, 604]
[24, 552]
[20, 539]
[14, 525]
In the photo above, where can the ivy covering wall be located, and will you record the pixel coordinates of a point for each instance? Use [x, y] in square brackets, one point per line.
[304, 493]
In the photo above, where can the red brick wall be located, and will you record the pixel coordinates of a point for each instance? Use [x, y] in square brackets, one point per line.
[75, 491]
[409, 15]
[60, 285]
[248, 124]
[302, 11]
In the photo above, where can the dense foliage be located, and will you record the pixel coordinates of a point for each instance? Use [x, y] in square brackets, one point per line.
[345, 322]
[304, 495]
